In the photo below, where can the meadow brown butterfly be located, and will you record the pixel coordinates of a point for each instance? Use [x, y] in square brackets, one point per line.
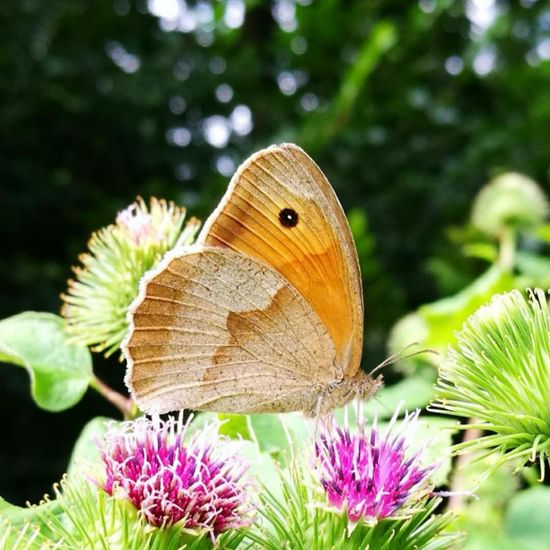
[264, 313]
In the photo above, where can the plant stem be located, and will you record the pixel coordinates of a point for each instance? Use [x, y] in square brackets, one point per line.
[507, 251]
[457, 489]
[123, 404]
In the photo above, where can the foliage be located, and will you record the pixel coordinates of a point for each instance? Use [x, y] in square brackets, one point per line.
[408, 107]
[413, 120]
[513, 209]
[500, 358]
[59, 370]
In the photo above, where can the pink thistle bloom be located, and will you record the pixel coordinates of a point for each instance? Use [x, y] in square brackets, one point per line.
[370, 474]
[137, 223]
[198, 484]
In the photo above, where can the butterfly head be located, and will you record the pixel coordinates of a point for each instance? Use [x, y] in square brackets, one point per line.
[336, 395]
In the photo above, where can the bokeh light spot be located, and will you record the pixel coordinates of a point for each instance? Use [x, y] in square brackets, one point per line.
[241, 120]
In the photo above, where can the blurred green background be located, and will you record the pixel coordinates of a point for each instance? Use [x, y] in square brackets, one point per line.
[408, 107]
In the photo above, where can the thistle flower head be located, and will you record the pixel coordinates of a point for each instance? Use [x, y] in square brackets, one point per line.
[371, 474]
[499, 374]
[199, 484]
[138, 225]
[509, 201]
[119, 254]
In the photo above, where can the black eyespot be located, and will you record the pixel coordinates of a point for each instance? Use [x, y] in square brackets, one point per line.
[288, 217]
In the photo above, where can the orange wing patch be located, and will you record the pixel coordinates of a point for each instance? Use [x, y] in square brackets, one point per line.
[281, 210]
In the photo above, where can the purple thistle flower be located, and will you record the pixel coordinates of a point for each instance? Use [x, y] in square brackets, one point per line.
[369, 474]
[199, 484]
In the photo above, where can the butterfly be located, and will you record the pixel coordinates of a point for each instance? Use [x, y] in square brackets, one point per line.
[264, 312]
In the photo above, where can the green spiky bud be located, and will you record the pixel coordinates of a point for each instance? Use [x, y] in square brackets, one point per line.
[118, 256]
[82, 516]
[499, 374]
[509, 201]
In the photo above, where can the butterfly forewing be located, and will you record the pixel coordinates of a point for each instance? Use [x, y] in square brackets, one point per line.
[281, 209]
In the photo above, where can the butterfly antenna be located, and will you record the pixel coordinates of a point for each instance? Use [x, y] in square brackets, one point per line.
[401, 355]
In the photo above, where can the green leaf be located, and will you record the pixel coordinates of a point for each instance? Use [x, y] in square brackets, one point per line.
[59, 370]
[275, 434]
[444, 317]
[480, 540]
[434, 325]
[414, 392]
[234, 426]
[482, 250]
[434, 439]
[527, 519]
[409, 330]
[263, 466]
[18, 515]
[85, 450]
[535, 267]
[282, 434]
[542, 231]
[15, 513]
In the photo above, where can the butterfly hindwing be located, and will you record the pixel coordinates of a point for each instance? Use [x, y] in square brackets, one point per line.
[217, 330]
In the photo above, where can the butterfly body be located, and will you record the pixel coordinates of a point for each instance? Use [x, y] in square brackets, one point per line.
[264, 313]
